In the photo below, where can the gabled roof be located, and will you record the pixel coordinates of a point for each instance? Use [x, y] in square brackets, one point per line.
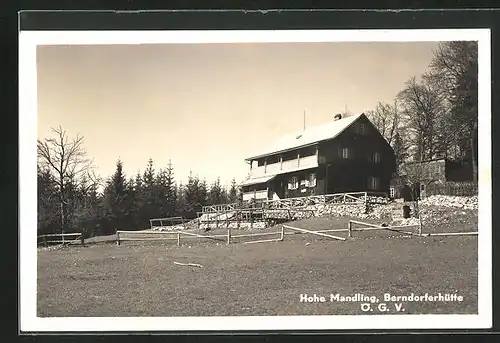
[307, 137]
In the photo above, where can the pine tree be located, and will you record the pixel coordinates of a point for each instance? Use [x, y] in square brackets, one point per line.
[233, 191]
[115, 200]
[192, 192]
[216, 194]
[139, 200]
[89, 208]
[48, 208]
[170, 190]
[149, 205]
[180, 205]
[159, 195]
[203, 193]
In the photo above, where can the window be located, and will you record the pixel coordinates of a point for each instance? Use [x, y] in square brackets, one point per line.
[345, 153]
[391, 192]
[273, 159]
[373, 183]
[361, 128]
[311, 178]
[376, 157]
[260, 162]
[293, 183]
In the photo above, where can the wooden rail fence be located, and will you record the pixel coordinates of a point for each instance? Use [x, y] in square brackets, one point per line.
[396, 228]
[229, 238]
[42, 239]
[317, 233]
[121, 236]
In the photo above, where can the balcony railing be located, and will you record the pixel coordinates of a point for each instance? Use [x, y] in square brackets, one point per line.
[257, 195]
[276, 168]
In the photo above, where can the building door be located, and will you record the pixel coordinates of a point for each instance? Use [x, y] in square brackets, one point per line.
[280, 191]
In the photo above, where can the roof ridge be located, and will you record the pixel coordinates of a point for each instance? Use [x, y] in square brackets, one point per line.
[289, 140]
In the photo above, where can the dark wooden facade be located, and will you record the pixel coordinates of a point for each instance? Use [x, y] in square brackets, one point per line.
[355, 173]
[358, 159]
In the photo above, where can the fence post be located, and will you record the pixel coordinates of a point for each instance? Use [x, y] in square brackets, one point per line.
[282, 233]
[45, 240]
[349, 231]
[251, 219]
[82, 239]
[229, 236]
[178, 239]
[62, 235]
[117, 237]
[419, 225]
[366, 202]
[238, 214]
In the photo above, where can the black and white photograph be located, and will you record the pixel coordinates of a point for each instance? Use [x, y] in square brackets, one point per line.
[255, 180]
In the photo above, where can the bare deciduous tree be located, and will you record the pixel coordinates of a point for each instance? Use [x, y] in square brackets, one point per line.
[422, 110]
[386, 118]
[455, 68]
[66, 159]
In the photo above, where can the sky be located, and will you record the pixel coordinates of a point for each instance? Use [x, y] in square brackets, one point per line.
[206, 107]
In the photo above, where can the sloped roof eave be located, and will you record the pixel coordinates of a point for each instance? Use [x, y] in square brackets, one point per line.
[288, 149]
[287, 142]
[257, 180]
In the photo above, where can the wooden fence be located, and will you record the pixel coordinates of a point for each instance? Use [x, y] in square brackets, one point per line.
[228, 238]
[397, 228]
[218, 208]
[267, 216]
[269, 211]
[180, 236]
[317, 233]
[393, 228]
[48, 239]
[342, 198]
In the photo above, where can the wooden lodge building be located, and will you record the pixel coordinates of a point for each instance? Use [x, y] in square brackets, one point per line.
[345, 155]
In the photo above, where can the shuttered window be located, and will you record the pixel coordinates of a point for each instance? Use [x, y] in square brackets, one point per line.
[373, 183]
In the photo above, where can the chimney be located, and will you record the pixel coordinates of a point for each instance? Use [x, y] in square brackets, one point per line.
[337, 116]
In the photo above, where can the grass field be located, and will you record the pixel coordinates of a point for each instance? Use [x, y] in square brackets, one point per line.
[140, 279]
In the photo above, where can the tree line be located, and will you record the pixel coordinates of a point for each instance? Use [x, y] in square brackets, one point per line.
[70, 200]
[433, 116]
[436, 115]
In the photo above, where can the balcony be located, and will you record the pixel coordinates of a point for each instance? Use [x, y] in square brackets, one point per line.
[285, 166]
[257, 195]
